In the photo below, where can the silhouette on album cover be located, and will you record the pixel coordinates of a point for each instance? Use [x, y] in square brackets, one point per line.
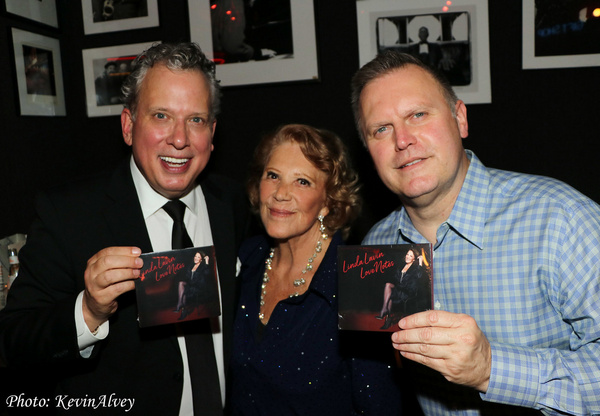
[177, 285]
[379, 285]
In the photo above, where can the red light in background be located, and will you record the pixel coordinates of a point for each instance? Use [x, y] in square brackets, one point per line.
[214, 6]
[596, 12]
[232, 18]
[445, 8]
[449, 3]
[228, 12]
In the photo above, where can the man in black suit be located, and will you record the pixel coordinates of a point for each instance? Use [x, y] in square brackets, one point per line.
[72, 311]
[429, 53]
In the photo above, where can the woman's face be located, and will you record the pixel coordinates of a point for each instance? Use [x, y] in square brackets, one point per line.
[410, 256]
[292, 194]
[197, 258]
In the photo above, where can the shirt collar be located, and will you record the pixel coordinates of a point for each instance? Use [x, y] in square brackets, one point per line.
[468, 217]
[150, 200]
[470, 210]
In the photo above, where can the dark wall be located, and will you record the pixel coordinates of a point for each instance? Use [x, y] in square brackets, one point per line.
[540, 121]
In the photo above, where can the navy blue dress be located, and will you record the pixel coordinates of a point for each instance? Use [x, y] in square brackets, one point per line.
[295, 364]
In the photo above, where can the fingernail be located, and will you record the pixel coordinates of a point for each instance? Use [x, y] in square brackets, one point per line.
[136, 250]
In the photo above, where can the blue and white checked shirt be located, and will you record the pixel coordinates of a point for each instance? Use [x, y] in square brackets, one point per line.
[520, 254]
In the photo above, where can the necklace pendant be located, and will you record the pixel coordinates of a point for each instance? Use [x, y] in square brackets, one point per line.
[299, 282]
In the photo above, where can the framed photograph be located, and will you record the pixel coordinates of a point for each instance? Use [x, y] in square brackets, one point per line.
[104, 70]
[454, 39]
[40, 11]
[101, 16]
[39, 74]
[264, 43]
[561, 34]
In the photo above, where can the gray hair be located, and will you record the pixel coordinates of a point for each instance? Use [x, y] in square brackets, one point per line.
[385, 63]
[186, 56]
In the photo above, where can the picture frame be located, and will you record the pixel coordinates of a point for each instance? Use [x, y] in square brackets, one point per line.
[559, 43]
[100, 17]
[39, 11]
[288, 53]
[39, 74]
[103, 80]
[457, 38]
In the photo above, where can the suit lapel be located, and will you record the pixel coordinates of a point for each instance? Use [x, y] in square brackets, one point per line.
[223, 233]
[124, 216]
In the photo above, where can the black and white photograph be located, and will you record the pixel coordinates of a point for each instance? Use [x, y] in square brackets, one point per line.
[561, 34]
[441, 40]
[39, 74]
[106, 10]
[451, 38]
[43, 11]
[105, 69]
[256, 41]
[101, 16]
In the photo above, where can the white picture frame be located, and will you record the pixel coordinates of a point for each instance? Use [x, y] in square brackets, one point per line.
[300, 65]
[94, 63]
[40, 11]
[533, 61]
[39, 74]
[472, 33]
[93, 23]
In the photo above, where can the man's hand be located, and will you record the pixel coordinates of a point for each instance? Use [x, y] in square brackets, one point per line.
[109, 273]
[449, 343]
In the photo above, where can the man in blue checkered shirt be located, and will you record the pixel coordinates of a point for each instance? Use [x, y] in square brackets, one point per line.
[516, 322]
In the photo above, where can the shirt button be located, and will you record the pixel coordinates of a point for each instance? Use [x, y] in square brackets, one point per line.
[437, 305]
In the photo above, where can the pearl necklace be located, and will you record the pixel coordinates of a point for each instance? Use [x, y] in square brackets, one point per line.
[297, 282]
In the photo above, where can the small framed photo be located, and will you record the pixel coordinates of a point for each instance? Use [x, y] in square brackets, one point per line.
[104, 70]
[39, 74]
[452, 38]
[257, 44]
[101, 16]
[562, 34]
[38, 10]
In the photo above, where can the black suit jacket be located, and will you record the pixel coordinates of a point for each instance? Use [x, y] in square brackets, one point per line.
[432, 58]
[37, 328]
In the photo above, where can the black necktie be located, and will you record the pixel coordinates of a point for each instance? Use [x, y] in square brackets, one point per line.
[179, 237]
[206, 390]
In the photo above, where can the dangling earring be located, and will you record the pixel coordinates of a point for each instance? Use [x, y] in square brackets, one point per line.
[322, 227]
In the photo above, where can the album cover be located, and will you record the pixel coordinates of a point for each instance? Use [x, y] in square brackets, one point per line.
[380, 284]
[177, 285]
